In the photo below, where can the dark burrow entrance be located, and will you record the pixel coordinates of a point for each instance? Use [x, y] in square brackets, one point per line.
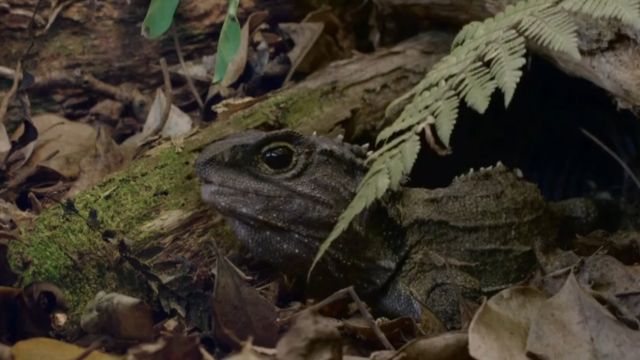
[540, 133]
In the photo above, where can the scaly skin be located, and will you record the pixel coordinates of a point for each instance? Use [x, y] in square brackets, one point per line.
[282, 192]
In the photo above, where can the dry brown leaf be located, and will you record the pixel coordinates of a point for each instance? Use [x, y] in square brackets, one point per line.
[61, 144]
[239, 311]
[311, 337]
[500, 327]
[396, 330]
[619, 284]
[23, 142]
[118, 315]
[5, 144]
[177, 124]
[304, 35]
[248, 353]
[177, 347]
[573, 325]
[49, 349]
[449, 346]
[106, 157]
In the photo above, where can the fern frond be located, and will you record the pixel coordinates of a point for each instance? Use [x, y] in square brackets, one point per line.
[624, 10]
[552, 28]
[445, 114]
[476, 87]
[506, 58]
[468, 32]
[386, 172]
[417, 111]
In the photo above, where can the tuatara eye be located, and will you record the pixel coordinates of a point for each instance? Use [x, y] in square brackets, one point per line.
[278, 157]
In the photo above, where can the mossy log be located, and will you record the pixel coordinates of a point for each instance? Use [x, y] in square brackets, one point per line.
[153, 208]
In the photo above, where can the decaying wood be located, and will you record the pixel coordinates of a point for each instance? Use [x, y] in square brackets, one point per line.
[610, 51]
[174, 226]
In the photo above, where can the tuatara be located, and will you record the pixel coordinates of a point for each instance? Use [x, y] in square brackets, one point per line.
[282, 192]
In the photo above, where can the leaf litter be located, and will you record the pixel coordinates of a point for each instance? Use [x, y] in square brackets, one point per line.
[583, 306]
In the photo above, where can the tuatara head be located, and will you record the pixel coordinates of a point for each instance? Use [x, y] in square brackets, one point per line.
[282, 193]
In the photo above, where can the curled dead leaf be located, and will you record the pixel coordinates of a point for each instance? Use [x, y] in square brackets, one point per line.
[239, 311]
[573, 325]
[449, 346]
[176, 347]
[500, 327]
[311, 337]
[118, 315]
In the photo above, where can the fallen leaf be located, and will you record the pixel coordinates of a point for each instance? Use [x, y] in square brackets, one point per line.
[304, 36]
[118, 315]
[177, 347]
[573, 325]
[239, 311]
[60, 146]
[105, 158]
[49, 349]
[311, 337]
[396, 330]
[449, 346]
[248, 353]
[500, 327]
[23, 143]
[5, 144]
[177, 124]
[619, 284]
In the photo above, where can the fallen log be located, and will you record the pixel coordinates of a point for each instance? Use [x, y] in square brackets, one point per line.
[151, 236]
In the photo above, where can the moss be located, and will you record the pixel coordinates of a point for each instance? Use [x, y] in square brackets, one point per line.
[63, 249]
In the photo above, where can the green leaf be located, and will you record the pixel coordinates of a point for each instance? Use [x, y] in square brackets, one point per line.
[159, 17]
[229, 41]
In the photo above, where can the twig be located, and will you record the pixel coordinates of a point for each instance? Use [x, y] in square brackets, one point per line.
[32, 32]
[168, 92]
[340, 294]
[190, 84]
[613, 155]
[7, 72]
[372, 322]
[564, 270]
[4, 105]
[55, 13]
